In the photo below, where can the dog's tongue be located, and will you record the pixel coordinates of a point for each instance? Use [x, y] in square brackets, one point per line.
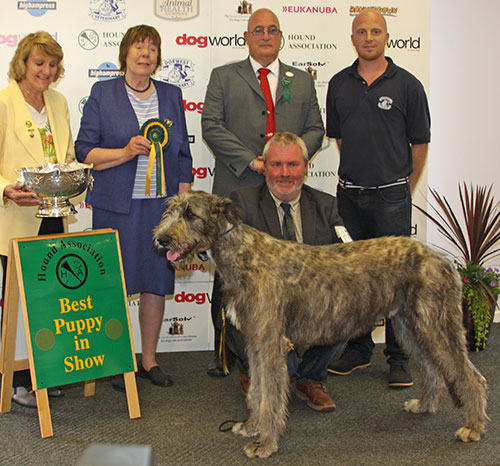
[172, 256]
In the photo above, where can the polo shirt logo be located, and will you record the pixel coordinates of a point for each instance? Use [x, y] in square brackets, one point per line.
[385, 103]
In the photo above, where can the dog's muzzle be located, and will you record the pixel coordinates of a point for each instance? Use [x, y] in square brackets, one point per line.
[162, 243]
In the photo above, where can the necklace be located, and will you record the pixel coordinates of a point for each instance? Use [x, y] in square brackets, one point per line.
[38, 108]
[137, 90]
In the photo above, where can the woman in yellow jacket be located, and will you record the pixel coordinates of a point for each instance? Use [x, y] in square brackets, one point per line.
[34, 130]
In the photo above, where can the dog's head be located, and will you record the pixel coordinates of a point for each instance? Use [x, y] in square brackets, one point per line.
[191, 224]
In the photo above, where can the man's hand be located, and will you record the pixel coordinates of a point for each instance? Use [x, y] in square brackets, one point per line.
[257, 165]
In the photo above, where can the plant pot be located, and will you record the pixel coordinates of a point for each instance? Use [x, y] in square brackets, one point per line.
[470, 333]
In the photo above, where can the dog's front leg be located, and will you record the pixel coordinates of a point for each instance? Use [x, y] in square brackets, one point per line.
[249, 427]
[267, 399]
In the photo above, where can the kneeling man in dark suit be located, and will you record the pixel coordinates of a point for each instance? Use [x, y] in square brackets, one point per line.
[287, 209]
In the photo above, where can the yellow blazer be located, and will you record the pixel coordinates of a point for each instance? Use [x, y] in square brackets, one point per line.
[18, 149]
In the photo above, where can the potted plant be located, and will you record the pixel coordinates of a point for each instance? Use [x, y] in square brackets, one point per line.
[477, 239]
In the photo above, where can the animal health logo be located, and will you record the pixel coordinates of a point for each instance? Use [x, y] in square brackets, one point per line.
[177, 10]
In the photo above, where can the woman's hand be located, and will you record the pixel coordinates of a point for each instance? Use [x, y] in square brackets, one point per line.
[21, 195]
[137, 145]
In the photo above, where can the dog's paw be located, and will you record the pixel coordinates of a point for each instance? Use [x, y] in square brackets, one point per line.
[413, 406]
[261, 449]
[244, 430]
[466, 434]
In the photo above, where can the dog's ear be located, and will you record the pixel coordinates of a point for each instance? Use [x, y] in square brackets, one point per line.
[226, 207]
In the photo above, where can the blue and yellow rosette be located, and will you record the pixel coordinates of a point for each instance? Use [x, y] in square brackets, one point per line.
[158, 132]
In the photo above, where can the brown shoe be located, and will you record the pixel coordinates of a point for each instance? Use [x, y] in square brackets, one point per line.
[314, 392]
[244, 382]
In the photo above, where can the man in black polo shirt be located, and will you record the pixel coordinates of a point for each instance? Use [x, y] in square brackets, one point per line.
[379, 116]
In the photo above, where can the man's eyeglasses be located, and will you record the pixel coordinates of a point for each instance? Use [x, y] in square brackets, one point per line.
[259, 32]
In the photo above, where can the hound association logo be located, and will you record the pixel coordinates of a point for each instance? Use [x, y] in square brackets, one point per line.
[107, 10]
[307, 41]
[104, 71]
[72, 271]
[88, 39]
[38, 8]
[178, 71]
[177, 10]
[82, 103]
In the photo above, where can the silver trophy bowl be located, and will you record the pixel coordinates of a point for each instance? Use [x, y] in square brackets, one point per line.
[56, 184]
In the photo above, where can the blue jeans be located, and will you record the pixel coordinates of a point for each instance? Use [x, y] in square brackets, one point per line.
[372, 213]
[314, 364]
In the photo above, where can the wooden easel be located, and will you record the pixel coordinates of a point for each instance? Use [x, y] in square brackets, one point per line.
[14, 290]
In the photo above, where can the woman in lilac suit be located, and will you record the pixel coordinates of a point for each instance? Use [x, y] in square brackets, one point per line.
[126, 195]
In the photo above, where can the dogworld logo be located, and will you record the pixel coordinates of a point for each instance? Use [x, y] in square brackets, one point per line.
[217, 41]
[411, 44]
[197, 298]
[10, 40]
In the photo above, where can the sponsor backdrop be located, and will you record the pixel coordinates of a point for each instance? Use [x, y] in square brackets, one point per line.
[198, 35]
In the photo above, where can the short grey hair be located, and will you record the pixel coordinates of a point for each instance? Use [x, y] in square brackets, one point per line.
[283, 140]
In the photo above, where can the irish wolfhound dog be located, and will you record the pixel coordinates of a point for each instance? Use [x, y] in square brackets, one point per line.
[279, 292]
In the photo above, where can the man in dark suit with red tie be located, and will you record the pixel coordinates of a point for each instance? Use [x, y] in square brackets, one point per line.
[243, 109]
[237, 120]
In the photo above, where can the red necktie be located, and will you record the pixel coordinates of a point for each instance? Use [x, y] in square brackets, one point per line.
[264, 84]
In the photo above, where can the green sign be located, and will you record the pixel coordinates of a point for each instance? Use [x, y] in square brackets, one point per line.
[76, 307]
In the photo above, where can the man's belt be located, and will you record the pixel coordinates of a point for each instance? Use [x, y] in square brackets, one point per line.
[347, 184]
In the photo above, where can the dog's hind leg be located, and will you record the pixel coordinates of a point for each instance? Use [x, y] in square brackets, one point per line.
[440, 347]
[268, 402]
[468, 389]
[415, 341]
[472, 390]
[433, 387]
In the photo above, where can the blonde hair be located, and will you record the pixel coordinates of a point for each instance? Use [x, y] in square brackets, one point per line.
[138, 34]
[42, 41]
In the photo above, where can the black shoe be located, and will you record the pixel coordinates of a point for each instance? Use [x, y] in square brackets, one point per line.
[348, 363]
[215, 369]
[55, 392]
[156, 375]
[118, 383]
[400, 375]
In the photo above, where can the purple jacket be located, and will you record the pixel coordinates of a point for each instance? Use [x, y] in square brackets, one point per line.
[109, 121]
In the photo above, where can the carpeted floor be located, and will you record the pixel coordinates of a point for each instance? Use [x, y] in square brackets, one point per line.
[181, 422]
